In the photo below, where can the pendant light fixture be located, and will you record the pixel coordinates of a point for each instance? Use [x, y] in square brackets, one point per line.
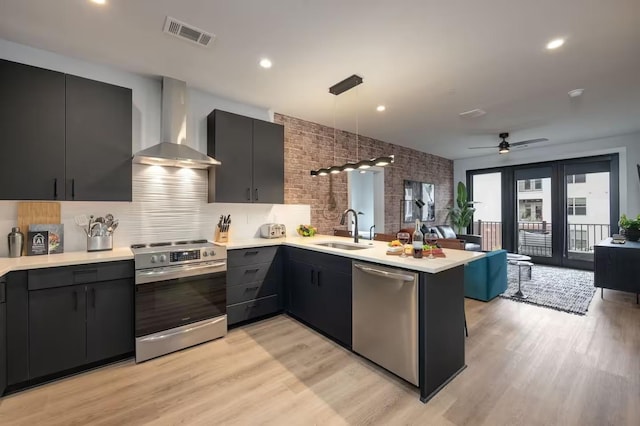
[338, 88]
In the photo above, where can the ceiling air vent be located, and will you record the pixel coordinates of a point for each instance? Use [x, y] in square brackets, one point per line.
[187, 32]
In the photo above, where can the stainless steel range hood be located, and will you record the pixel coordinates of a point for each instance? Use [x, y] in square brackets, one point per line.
[173, 151]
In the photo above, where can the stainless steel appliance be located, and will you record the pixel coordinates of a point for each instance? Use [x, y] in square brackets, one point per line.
[181, 296]
[273, 230]
[385, 318]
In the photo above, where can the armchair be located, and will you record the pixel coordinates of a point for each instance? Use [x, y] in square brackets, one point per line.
[471, 242]
[486, 278]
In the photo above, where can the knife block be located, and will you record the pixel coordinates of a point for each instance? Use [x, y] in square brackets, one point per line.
[221, 237]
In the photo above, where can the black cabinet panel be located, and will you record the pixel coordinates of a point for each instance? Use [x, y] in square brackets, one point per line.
[250, 291]
[32, 136]
[98, 141]
[109, 319]
[253, 309]
[617, 267]
[268, 162]
[319, 291]
[17, 327]
[252, 155]
[80, 274]
[230, 137]
[3, 336]
[251, 256]
[57, 330]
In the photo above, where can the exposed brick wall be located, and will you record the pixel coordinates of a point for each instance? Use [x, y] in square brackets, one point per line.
[309, 146]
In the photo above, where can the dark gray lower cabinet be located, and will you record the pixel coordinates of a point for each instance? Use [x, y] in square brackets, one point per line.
[319, 292]
[3, 336]
[57, 330]
[109, 319]
[254, 283]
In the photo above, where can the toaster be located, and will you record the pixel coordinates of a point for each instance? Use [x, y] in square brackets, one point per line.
[273, 230]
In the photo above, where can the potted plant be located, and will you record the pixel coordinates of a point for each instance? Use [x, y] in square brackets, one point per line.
[631, 227]
[462, 213]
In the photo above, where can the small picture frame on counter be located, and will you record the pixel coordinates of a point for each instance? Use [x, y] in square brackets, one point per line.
[37, 243]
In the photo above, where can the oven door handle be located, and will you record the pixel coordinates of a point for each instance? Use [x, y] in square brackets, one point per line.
[158, 336]
[148, 276]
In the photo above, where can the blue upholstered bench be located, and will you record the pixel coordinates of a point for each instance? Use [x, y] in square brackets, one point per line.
[486, 278]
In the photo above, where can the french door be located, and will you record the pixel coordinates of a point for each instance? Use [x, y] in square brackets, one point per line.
[554, 212]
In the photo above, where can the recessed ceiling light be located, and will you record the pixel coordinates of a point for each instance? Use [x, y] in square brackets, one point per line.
[100, 2]
[554, 44]
[576, 93]
[265, 63]
[381, 108]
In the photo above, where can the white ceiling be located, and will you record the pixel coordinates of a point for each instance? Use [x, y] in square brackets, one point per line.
[426, 60]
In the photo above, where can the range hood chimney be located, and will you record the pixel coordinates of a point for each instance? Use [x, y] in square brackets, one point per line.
[173, 151]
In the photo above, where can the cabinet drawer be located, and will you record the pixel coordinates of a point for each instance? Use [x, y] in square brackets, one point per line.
[250, 273]
[39, 279]
[253, 309]
[250, 291]
[251, 256]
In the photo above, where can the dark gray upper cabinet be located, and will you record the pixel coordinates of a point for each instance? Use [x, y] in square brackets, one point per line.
[32, 136]
[268, 162]
[98, 141]
[229, 140]
[252, 156]
[63, 137]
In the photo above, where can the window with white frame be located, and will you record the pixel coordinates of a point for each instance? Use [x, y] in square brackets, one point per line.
[530, 185]
[577, 206]
[530, 210]
[581, 178]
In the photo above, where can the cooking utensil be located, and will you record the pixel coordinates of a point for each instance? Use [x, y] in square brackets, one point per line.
[81, 220]
[99, 219]
[112, 227]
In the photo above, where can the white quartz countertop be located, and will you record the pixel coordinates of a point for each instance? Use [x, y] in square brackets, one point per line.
[375, 252]
[63, 259]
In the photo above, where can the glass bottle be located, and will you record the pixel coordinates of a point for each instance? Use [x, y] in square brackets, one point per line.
[417, 241]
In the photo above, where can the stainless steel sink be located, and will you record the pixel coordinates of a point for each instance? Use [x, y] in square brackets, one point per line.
[342, 246]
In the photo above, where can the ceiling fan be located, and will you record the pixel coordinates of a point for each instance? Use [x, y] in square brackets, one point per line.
[504, 146]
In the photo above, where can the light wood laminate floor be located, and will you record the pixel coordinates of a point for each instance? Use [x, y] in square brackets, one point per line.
[526, 365]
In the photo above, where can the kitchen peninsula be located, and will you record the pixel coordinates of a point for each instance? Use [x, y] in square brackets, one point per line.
[314, 286]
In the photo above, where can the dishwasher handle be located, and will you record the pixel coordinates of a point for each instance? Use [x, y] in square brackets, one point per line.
[381, 273]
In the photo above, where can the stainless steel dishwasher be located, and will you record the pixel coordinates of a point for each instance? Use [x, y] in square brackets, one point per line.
[385, 318]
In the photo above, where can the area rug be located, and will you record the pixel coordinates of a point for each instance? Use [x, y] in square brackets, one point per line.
[568, 290]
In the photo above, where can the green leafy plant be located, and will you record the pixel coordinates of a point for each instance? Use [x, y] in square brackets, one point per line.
[462, 213]
[626, 223]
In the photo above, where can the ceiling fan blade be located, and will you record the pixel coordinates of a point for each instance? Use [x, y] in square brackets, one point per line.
[483, 147]
[528, 142]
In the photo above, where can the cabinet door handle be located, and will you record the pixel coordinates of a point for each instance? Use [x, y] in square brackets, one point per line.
[73, 189]
[55, 189]
[251, 271]
[251, 288]
[313, 277]
[75, 300]
[318, 277]
[248, 194]
[251, 253]
[251, 306]
[256, 194]
[93, 297]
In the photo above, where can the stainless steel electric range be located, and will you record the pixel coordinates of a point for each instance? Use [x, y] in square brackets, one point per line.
[181, 296]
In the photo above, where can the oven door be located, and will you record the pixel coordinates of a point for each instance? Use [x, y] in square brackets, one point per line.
[173, 300]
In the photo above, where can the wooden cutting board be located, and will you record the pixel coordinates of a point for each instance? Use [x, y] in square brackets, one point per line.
[37, 212]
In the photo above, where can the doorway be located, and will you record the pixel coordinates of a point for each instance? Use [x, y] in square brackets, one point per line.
[554, 212]
[366, 195]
